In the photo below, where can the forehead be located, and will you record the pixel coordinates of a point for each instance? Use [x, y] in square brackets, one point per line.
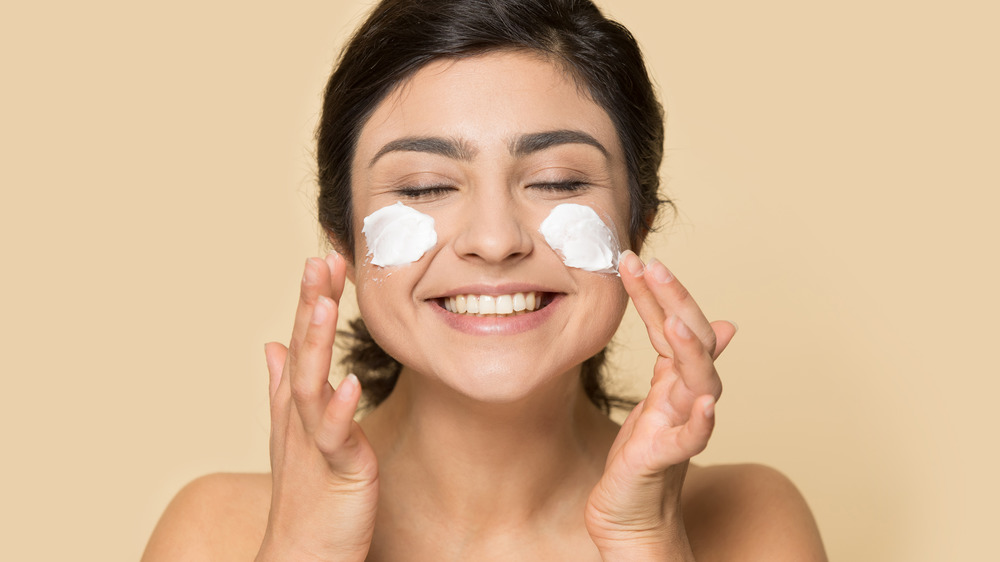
[487, 101]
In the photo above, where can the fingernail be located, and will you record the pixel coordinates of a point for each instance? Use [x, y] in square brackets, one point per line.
[321, 310]
[659, 271]
[736, 327]
[632, 263]
[346, 389]
[680, 328]
[331, 259]
[310, 277]
[709, 407]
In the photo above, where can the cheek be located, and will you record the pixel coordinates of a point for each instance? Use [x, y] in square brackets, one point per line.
[397, 235]
[618, 305]
[582, 238]
[617, 298]
[602, 313]
[385, 305]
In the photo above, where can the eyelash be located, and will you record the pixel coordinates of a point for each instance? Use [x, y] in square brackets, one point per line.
[430, 191]
[560, 186]
[421, 192]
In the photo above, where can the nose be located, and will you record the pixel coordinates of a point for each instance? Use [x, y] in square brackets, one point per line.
[494, 231]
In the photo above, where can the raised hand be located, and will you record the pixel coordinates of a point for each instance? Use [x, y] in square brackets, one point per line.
[634, 513]
[324, 472]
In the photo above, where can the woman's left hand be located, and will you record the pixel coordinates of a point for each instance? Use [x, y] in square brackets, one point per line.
[634, 511]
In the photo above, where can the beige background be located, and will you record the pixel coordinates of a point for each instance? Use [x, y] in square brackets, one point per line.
[836, 169]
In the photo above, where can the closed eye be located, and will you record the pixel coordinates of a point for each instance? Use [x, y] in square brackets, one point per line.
[424, 192]
[560, 186]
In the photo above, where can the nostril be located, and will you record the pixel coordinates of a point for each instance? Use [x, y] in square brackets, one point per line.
[495, 236]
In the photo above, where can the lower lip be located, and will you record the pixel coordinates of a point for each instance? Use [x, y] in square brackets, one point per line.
[497, 325]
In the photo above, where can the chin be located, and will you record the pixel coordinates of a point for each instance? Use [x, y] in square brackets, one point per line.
[497, 382]
[502, 378]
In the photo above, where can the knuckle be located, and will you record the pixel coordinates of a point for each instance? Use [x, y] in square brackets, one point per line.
[680, 291]
[302, 391]
[308, 296]
[309, 344]
[308, 293]
[314, 338]
[698, 446]
[715, 387]
[711, 342]
[329, 446]
[332, 441]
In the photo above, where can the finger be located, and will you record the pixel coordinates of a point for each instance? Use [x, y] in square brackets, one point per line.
[274, 355]
[335, 437]
[724, 332]
[694, 435]
[675, 299]
[315, 282]
[692, 361]
[338, 275]
[631, 270]
[661, 383]
[310, 365]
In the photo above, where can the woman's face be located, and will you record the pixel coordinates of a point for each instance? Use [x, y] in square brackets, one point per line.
[488, 146]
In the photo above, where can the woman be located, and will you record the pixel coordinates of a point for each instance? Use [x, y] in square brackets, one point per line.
[481, 163]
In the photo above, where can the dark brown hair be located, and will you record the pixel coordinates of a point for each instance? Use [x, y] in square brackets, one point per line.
[401, 36]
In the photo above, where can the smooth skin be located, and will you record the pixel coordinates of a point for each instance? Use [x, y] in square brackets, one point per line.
[472, 457]
[321, 489]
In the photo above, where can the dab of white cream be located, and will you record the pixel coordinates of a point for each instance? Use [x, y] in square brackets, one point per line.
[582, 239]
[398, 235]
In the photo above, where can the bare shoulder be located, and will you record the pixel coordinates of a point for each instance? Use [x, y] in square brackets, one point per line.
[748, 512]
[214, 517]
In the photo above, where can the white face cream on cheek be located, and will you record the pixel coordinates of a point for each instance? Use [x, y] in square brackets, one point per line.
[582, 239]
[398, 235]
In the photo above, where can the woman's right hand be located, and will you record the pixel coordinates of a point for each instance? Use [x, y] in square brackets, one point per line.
[324, 473]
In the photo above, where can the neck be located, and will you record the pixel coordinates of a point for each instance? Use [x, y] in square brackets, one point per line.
[489, 464]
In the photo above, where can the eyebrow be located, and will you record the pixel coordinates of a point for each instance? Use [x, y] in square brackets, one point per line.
[460, 150]
[449, 148]
[535, 142]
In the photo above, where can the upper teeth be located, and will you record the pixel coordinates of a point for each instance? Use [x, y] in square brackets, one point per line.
[493, 304]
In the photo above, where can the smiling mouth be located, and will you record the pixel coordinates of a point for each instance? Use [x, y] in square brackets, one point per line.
[495, 305]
